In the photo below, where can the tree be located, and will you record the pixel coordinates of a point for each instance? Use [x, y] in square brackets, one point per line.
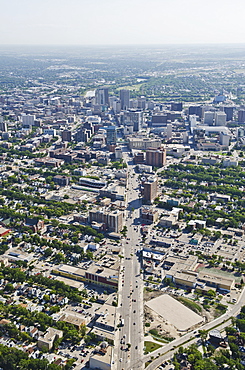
[48, 252]
[9, 288]
[203, 335]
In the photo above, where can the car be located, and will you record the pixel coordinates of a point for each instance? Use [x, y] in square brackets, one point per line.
[120, 359]
[136, 347]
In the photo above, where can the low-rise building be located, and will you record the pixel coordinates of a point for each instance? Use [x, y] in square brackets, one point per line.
[61, 180]
[48, 338]
[75, 319]
[216, 280]
[102, 359]
[100, 275]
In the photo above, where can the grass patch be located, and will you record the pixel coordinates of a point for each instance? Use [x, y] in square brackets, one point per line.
[190, 304]
[161, 338]
[135, 87]
[150, 346]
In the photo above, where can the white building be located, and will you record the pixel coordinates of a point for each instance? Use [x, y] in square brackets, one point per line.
[224, 139]
[28, 119]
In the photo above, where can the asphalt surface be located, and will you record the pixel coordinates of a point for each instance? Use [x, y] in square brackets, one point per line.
[130, 293]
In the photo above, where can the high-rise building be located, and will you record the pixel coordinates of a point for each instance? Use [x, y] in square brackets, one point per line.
[220, 119]
[229, 113]
[83, 134]
[169, 131]
[208, 118]
[111, 136]
[176, 106]
[28, 119]
[116, 106]
[150, 189]
[193, 122]
[3, 125]
[241, 116]
[124, 98]
[156, 157]
[198, 110]
[102, 96]
[66, 135]
[141, 103]
[113, 220]
[135, 117]
[224, 139]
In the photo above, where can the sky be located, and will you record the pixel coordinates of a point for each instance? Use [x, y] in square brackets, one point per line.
[121, 22]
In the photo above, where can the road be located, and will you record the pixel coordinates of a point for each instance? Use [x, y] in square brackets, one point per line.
[168, 350]
[130, 292]
[130, 296]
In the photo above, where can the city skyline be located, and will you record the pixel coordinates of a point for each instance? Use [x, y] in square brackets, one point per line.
[121, 23]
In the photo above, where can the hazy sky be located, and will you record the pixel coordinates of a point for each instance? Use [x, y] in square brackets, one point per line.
[87, 22]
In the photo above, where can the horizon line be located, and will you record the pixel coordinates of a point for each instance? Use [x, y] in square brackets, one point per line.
[135, 44]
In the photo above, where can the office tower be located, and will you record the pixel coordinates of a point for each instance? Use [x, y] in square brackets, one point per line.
[241, 116]
[198, 110]
[169, 131]
[83, 135]
[102, 96]
[89, 126]
[156, 157]
[141, 103]
[3, 125]
[111, 137]
[124, 98]
[135, 117]
[220, 119]
[66, 135]
[176, 106]
[208, 118]
[193, 122]
[116, 106]
[28, 119]
[229, 113]
[158, 120]
[150, 189]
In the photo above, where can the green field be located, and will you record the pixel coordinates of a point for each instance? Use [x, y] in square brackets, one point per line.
[135, 87]
[150, 346]
[190, 304]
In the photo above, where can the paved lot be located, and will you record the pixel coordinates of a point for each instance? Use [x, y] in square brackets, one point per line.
[174, 312]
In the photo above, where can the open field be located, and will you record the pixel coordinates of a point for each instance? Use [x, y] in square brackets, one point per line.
[174, 312]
